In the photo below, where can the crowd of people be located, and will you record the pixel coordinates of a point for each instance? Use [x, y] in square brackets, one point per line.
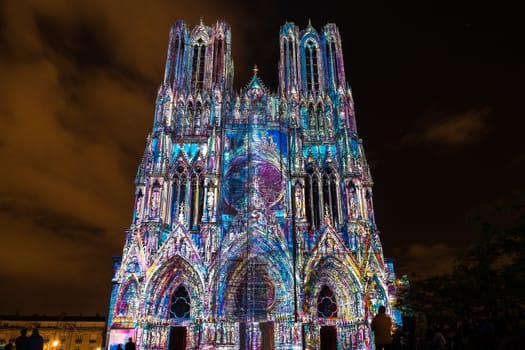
[23, 342]
[36, 342]
[482, 331]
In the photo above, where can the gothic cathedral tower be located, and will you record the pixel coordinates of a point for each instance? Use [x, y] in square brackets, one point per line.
[253, 223]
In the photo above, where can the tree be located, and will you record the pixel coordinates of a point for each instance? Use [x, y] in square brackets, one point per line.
[489, 275]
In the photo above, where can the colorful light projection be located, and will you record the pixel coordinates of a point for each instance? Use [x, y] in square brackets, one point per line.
[119, 337]
[253, 223]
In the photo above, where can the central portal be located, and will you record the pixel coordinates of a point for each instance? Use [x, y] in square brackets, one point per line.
[255, 292]
[267, 341]
[256, 335]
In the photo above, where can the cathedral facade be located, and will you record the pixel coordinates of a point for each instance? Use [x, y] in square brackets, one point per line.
[253, 223]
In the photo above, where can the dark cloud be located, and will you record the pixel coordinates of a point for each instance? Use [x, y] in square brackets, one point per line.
[85, 41]
[425, 260]
[454, 130]
[459, 129]
[71, 229]
[24, 208]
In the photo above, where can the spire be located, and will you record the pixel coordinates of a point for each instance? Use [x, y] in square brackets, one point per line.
[309, 28]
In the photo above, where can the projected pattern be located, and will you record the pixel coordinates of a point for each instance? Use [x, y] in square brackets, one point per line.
[253, 223]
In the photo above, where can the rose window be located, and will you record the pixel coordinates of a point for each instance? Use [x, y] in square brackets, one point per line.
[326, 303]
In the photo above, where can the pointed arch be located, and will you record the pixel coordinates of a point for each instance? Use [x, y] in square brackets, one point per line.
[289, 58]
[206, 115]
[175, 58]
[197, 196]
[163, 284]
[127, 304]
[179, 112]
[331, 193]
[355, 204]
[180, 303]
[263, 259]
[139, 204]
[313, 196]
[189, 120]
[303, 112]
[333, 69]
[326, 303]
[179, 191]
[312, 121]
[340, 275]
[197, 66]
[369, 206]
[218, 59]
[155, 200]
[311, 62]
[178, 52]
[320, 119]
[329, 118]
[197, 118]
[254, 296]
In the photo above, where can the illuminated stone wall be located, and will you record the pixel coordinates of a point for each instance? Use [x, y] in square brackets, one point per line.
[253, 223]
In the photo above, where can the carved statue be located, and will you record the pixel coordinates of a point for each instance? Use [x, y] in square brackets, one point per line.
[299, 202]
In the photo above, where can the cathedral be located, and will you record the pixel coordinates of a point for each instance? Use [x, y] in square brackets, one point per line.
[253, 224]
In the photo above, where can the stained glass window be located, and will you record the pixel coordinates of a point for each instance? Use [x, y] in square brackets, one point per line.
[312, 81]
[198, 64]
[180, 303]
[326, 303]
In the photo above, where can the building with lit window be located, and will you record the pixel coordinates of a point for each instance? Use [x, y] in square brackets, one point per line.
[59, 332]
[253, 223]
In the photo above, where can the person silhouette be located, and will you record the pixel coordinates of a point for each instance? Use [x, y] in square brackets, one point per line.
[382, 327]
[35, 341]
[130, 345]
[8, 346]
[21, 340]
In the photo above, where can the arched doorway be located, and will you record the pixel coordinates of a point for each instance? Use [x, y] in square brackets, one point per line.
[327, 309]
[180, 310]
[326, 303]
[255, 292]
[254, 297]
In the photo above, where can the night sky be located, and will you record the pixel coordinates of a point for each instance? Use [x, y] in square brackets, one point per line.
[438, 91]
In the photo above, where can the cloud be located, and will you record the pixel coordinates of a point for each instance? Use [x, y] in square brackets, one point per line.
[427, 259]
[455, 130]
